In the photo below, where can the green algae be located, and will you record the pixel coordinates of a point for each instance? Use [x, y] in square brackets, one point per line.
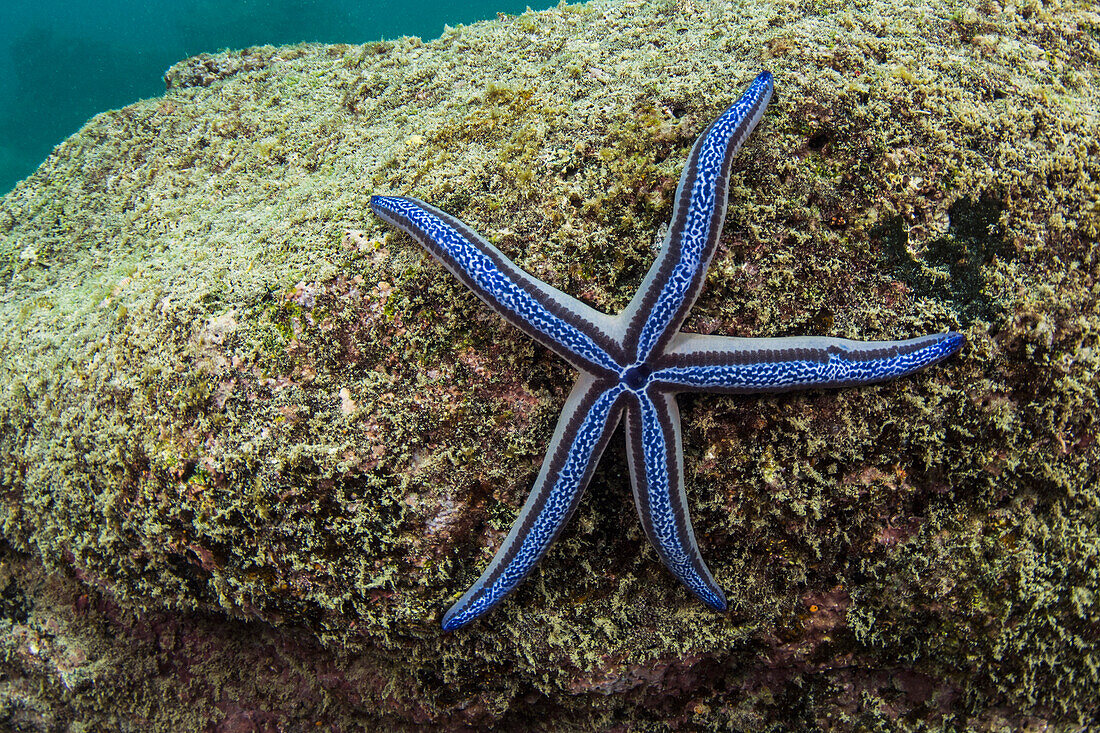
[239, 415]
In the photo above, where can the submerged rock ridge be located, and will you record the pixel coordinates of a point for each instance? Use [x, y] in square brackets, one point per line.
[253, 444]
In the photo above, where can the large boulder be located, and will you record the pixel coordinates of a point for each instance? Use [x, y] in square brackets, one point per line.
[253, 444]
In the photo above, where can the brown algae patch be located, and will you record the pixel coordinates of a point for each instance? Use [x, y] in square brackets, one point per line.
[233, 403]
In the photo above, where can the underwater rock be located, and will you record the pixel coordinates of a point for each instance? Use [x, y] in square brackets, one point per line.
[253, 444]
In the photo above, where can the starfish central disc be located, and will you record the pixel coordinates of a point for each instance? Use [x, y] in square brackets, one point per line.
[636, 376]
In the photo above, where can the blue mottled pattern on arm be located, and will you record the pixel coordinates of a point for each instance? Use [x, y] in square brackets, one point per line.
[560, 499]
[677, 551]
[494, 284]
[838, 369]
[699, 220]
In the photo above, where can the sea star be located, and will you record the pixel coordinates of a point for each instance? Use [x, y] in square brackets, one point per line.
[639, 360]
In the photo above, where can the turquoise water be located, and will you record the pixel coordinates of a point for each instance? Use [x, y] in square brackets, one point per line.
[62, 61]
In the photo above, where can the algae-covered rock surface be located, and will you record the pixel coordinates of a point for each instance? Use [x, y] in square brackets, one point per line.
[253, 444]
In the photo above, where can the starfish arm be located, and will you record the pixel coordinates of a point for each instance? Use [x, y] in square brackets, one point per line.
[726, 364]
[656, 461]
[676, 277]
[562, 323]
[590, 415]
